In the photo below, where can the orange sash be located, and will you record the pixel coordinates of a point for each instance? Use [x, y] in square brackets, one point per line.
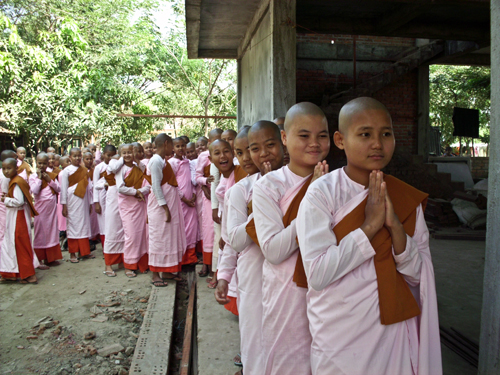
[19, 181]
[250, 227]
[80, 177]
[239, 173]
[396, 302]
[102, 174]
[168, 176]
[56, 171]
[53, 177]
[134, 178]
[206, 171]
[24, 167]
[110, 178]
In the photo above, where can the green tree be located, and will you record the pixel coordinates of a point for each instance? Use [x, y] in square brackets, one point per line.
[459, 86]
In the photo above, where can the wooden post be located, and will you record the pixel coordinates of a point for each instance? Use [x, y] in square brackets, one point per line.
[354, 61]
[423, 111]
[489, 353]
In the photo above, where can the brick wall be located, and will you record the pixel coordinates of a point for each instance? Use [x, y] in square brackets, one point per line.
[479, 167]
[400, 97]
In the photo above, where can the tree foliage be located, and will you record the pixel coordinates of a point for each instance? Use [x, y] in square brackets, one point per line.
[68, 66]
[459, 86]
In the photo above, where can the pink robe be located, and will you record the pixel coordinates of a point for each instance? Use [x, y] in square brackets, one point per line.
[94, 220]
[182, 172]
[199, 196]
[286, 343]
[46, 231]
[133, 214]
[61, 220]
[8, 260]
[167, 241]
[78, 219]
[4, 188]
[228, 258]
[207, 227]
[23, 174]
[99, 196]
[113, 230]
[342, 300]
[249, 268]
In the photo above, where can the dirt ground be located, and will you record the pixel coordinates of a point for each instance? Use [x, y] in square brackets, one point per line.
[72, 301]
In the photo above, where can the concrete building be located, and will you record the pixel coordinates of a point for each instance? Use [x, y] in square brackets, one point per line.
[329, 52]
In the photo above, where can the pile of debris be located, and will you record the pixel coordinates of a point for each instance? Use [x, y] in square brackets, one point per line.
[440, 212]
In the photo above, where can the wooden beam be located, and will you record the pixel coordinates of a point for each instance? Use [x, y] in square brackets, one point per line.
[174, 116]
[400, 17]
[193, 21]
[473, 59]
[187, 345]
[357, 26]
[217, 54]
[253, 27]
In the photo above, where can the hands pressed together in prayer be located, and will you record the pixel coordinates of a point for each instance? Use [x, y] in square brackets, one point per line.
[190, 202]
[43, 175]
[320, 170]
[379, 212]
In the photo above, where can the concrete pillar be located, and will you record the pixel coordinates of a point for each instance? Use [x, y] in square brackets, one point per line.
[423, 111]
[489, 355]
[284, 56]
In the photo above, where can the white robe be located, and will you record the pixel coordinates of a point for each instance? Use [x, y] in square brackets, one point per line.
[113, 230]
[78, 219]
[8, 260]
[342, 299]
[249, 268]
[286, 342]
[100, 195]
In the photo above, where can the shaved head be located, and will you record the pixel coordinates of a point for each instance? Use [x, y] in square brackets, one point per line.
[109, 148]
[280, 121]
[356, 106]
[74, 149]
[264, 125]
[161, 139]
[202, 139]
[302, 109]
[10, 161]
[214, 134]
[243, 133]
[21, 149]
[218, 142]
[42, 156]
[8, 154]
[230, 132]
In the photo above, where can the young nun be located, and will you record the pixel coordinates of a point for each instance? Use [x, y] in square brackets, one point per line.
[45, 188]
[365, 247]
[88, 161]
[4, 188]
[114, 237]
[148, 152]
[286, 344]
[200, 145]
[133, 211]
[204, 179]
[50, 164]
[167, 238]
[17, 257]
[182, 169]
[100, 192]
[23, 168]
[61, 220]
[75, 198]
[280, 121]
[260, 151]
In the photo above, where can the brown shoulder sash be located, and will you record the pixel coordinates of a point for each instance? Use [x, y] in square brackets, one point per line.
[239, 173]
[206, 171]
[250, 227]
[25, 188]
[80, 177]
[56, 171]
[168, 176]
[24, 167]
[91, 174]
[134, 178]
[53, 177]
[396, 302]
[110, 178]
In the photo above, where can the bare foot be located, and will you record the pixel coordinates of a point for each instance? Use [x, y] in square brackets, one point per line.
[170, 276]
[29, 280]
[43, 267]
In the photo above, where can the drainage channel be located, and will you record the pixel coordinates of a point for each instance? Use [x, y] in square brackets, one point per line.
[167, 343]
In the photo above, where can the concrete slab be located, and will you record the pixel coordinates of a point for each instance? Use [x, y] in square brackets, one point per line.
[218, 334]
[153, 346]
[458, 268]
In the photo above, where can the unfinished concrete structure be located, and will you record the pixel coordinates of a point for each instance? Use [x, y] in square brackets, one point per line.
[329, 52]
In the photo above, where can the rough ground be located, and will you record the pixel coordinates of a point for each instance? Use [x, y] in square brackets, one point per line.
[68, 297]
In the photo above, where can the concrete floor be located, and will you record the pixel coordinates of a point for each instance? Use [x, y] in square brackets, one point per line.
[458, 267]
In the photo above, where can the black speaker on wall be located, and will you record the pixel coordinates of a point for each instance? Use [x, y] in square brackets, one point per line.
[466, 122]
